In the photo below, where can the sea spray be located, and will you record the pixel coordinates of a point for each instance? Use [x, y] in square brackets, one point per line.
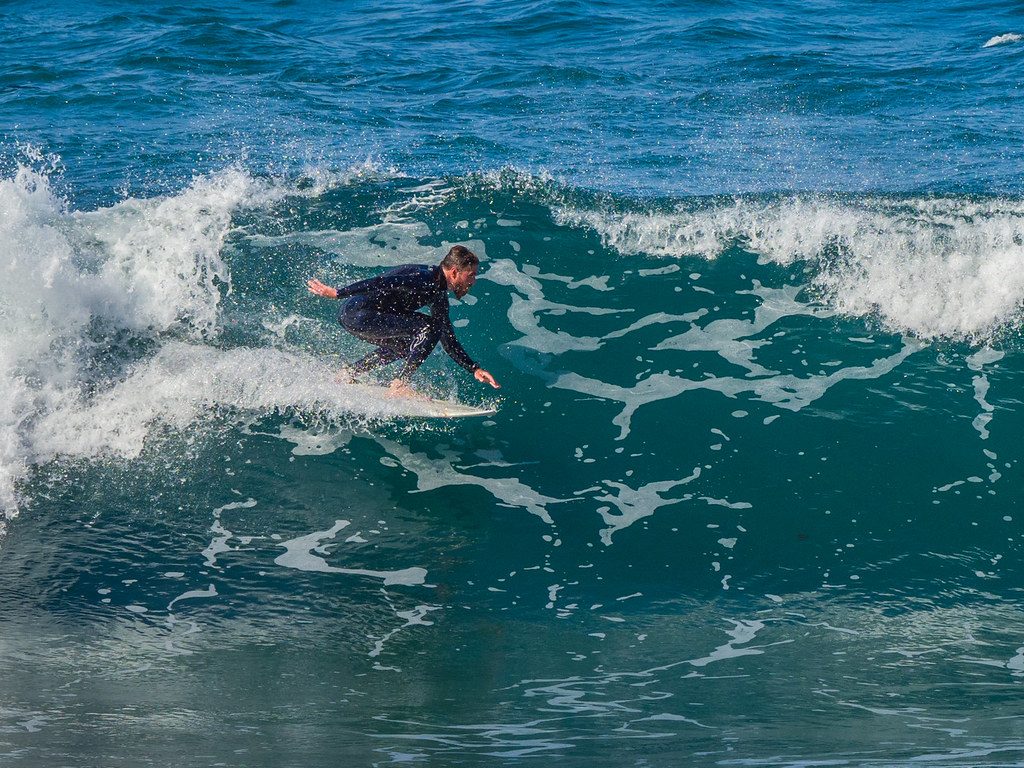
[73, 281]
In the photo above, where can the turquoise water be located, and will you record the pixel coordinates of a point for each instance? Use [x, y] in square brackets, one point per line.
[749, 281]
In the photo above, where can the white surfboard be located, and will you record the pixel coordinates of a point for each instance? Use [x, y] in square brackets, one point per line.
[419, 406]
[448, 409]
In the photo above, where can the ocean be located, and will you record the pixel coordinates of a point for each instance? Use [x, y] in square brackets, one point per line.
[751, 283]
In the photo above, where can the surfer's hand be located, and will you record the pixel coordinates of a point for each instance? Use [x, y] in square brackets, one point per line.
[481, 375]
[320, 289]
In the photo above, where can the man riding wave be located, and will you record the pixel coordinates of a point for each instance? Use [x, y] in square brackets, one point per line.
[382, 311]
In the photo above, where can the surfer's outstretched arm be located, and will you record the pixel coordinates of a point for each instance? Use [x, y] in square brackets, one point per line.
[400, 279]
[439, 316]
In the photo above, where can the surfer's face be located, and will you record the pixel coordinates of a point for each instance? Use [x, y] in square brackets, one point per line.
[461, 280]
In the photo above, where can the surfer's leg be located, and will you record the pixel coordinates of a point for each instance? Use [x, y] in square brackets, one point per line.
[378, 328]
[423, 343]
[411, 335]
[382, 355]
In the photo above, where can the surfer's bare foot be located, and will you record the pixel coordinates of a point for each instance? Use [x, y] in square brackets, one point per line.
[399, 388]
[345, 376]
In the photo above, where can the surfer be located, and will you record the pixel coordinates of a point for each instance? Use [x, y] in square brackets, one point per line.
[382, 311]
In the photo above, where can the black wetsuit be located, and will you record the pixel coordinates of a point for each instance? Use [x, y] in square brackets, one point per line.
[382, 311]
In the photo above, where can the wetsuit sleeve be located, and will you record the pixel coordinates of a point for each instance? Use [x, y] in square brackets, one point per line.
[379, 284]
[439, 315]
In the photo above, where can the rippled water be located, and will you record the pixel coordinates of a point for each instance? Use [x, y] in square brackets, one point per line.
[748, 280]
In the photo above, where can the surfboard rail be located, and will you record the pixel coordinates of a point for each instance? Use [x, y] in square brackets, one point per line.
[422, 406]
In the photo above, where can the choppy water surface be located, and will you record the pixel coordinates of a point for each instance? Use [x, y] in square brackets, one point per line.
[749, 282]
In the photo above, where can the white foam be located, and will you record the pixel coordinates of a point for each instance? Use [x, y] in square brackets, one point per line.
[977, 362]
[415, 617]
[184, 381]
[438, 473]
[70, 281]
[387, 244]
[194, 594]
[730, 338]
[309, 442]
[523, 312]
[146, 266]
[934, 267]
[743, 631]
[222, 536]
[637, 503]
[782, 390]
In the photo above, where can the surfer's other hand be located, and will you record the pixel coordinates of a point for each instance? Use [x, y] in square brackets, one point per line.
[481, 375]
[321, 289]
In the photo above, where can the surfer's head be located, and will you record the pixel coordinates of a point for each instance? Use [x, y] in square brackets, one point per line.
[459, 268]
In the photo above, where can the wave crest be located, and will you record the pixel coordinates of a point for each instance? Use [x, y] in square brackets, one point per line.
[71, 280]
[931, 267]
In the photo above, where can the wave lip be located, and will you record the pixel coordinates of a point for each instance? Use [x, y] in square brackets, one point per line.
[75, 282]
[930, 267]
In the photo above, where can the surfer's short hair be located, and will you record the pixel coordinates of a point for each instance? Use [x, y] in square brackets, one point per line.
[460, 258]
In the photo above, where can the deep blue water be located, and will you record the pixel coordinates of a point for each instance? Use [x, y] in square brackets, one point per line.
[751, 283]
[668, 98]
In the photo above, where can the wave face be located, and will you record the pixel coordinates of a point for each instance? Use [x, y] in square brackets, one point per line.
[749, 280]
[129, 317]
[763, 413]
